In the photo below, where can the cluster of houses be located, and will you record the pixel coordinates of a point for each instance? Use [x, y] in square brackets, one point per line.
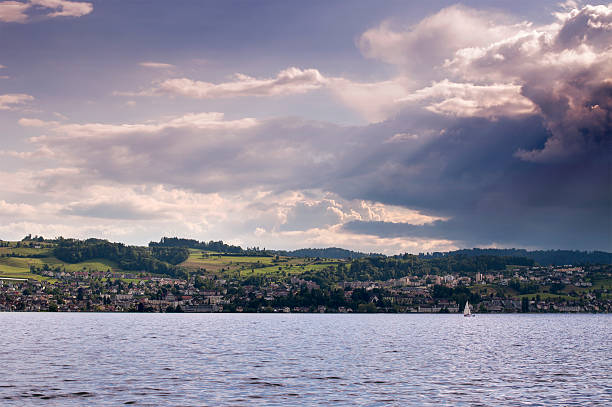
[121, 292]
[74, 294]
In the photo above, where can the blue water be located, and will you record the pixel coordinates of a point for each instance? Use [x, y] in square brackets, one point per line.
[55, 359]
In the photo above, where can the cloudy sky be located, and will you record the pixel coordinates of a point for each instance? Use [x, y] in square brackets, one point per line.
[388, 126]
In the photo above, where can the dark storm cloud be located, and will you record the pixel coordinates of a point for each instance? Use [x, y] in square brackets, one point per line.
[472, 176]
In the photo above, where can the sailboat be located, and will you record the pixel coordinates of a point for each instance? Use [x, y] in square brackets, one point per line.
[466, 310]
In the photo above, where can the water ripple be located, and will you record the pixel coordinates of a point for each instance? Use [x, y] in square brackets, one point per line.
[310, 360]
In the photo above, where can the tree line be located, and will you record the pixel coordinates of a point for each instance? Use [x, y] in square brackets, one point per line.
[157, 261]
[213, 246]
[542, 257]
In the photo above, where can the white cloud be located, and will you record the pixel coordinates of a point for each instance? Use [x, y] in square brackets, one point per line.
[16, 210]
[470, 100]
[565, 69]
[374, 101]
[335, 236]
[312, 209]
[402, 137]
[470, 63]
[15, 230]
[28, 122]
[45, 181]
[250, 218]
[38, 153]
[378, 212]
[12, 100]
[60, 116]
[289, 81]
[15, 11]
[201, 150]
[420, 50]
[157, 65]
[197, 121]
[426, 56]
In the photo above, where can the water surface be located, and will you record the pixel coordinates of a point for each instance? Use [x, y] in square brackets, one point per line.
[51, 359]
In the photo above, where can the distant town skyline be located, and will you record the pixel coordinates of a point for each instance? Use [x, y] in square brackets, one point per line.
[374, 126]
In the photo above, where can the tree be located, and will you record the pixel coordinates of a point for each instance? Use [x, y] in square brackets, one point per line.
[525, 304]
[369, 308]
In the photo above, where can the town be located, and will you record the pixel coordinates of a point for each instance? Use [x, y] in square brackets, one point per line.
[514, 289]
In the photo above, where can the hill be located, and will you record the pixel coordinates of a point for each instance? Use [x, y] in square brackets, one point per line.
[177, 257]
[32, 258]
[211, 246]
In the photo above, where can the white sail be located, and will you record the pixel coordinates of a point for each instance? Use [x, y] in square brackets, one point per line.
[466, 310]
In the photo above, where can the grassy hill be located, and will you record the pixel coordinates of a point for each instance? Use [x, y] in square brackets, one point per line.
[15, 262]
[160, 259]
[229, 265]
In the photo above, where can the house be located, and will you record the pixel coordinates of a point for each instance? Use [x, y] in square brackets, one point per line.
[198, 308]
[429, 309]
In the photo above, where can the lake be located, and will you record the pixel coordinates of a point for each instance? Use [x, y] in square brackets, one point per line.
[53, 359]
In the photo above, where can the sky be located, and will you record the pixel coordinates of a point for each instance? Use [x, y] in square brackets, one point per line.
[388, 127]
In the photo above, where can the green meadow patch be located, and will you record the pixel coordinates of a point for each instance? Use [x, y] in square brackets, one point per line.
[247, 266]
[218, 262]
[19, 267]
[26, 251]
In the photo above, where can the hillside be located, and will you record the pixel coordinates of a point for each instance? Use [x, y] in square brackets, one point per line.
[18, 262]
[35, 259]
[43, 259]
[212, 246]
[221, 247]
[175, 257]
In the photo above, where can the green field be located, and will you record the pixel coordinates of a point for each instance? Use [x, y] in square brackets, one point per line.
[245, 266]
[287, 269]
[223, 265]
[19, 267]
[26, 251]
[217, 263]
[7, 271]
